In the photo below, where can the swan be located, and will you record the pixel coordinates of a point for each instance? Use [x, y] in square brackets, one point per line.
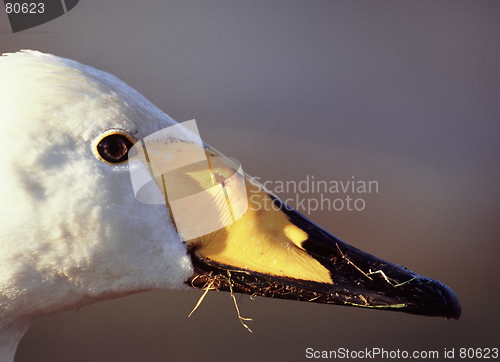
[85, 218]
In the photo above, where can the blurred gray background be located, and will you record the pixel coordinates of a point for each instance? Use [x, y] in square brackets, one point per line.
[404, 93]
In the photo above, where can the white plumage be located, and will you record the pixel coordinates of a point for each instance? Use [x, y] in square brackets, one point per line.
[56, 247]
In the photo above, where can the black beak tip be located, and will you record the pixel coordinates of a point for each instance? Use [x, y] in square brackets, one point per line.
[453, 308]
[438, 300]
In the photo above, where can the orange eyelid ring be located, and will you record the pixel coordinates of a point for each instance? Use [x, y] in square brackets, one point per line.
[113, 146]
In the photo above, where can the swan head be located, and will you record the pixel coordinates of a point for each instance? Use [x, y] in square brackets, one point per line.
[73, 230]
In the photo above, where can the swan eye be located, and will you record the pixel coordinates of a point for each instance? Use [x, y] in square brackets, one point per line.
[114, 147]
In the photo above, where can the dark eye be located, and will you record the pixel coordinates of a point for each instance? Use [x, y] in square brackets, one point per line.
[114, 148]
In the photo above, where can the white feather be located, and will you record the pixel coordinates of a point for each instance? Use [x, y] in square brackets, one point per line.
[71, 231]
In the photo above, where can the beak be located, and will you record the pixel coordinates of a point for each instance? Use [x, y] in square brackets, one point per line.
[274, 251]
[243, 239]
